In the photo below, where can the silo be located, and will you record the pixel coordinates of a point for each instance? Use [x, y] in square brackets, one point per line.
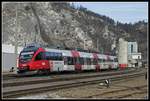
[123, 53]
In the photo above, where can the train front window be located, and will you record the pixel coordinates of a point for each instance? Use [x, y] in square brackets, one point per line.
[26, 56]
[40, 56]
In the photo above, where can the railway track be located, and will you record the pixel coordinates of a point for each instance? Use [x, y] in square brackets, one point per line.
[16, 91]
[129, 95]
[33, 80]
[121, 93]
[14, 76]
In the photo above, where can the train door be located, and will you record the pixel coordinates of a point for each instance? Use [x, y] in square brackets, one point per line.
[65, 63]
[68, 64]
[76, 56]
[109, 62]
[40, 62]
[57, 66]
[92, 64]
[56, 62]
[83, 60]
[102, 63]
[77, 64]
[89, 64]
[105, 62]
[84, 66]
[68, 61]
[95, 62]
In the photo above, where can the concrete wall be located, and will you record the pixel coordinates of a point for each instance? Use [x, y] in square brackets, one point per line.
[8, 57]
[8, 61]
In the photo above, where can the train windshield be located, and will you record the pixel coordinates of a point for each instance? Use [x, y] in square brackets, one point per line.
[26, 56]
[30, 48]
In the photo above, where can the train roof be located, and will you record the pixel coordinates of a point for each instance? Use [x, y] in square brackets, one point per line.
[102, 56]
[86, 55]
[11, 49]
[64, 52]
[82, 54]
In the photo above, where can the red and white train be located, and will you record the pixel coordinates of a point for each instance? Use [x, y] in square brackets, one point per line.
[37, 59]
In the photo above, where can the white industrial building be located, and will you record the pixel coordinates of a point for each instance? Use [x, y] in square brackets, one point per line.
[132, 47]
[134, 57]
[128, 54]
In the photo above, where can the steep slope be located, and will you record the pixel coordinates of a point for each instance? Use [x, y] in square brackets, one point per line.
[64, 25]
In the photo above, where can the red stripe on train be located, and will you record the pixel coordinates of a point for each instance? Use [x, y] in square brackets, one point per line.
[122, 66]
[95, 55]
[97, 67]
[75, 53]
[78, 67]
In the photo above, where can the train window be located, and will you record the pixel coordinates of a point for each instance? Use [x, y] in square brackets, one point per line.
[81, 61]
[100, 60]
[85, 62]
[107, 60]
[92, 61]
[70, 60]
[39, 56]
[65, 60]
[26, 56]
[44, 56]
[88, 61]
[95, 61]
[59, 57]
[103, 60]
[115, 60]
[76, 60]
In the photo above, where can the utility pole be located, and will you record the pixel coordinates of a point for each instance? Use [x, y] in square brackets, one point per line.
[84, 44]
[101, 52]
[85, 40]
[97, 45]
[16, 41]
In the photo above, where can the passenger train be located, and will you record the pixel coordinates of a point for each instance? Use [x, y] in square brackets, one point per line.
[34, 58]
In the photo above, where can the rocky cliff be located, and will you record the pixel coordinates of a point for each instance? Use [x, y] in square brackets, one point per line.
[67, 26]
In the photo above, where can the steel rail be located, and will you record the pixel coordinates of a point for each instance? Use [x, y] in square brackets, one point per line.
[8, 92]
[61, 78]
[118, 90]
[15, 76]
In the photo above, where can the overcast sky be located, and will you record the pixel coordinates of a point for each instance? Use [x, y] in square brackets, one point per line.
[124, 12]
